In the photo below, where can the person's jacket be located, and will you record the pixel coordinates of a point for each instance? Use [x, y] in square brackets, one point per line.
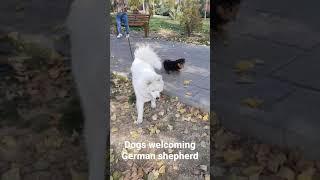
[121, 5]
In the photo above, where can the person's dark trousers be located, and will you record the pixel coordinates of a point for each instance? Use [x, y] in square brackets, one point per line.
[122, 17]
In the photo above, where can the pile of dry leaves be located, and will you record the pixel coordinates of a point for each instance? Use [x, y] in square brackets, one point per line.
[36, 87]
[234, 157]
[38, 83]
[171, 121]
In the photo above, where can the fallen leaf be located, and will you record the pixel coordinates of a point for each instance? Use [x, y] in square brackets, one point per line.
[254, 177]
[231, 156]
[153, 175]
[253, 102]
[9, 141]
[134, 134]
[203, 167]
[286, 173]
[161, 113]
[252, 170]
[111, 158]
[205, 117]
[192, 119]
[207, 177]
[245, 79]
[54, 73]
[153, 130]
[182, 110]
[244, 66]
[162, 170]
[13, 36]
[140, 172]
[114, 129]
[127, 175]
[170, 128]
[154, 117]
[187, 119]
[276, 161]
[259, 61]
[306, 174]
[303, 164]
[186, 82]
[203, 144]
[113, 117]
[116, 175]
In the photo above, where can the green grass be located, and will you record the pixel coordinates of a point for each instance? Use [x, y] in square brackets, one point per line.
[159, 22]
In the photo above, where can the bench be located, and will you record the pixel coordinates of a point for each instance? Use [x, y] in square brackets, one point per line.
[139, 20]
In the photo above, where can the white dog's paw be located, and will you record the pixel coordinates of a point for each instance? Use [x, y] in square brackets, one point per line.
[153, 105]
[138, 121]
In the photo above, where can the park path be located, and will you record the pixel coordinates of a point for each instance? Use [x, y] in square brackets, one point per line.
[197, 67]
[286, 43]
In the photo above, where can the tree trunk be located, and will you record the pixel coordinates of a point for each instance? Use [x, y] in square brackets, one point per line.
[147, 6]
[205, 10]
[143, 8]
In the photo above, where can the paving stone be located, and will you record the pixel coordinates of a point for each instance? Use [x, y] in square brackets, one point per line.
[41, 165]
[248, 48]
[12, 174]
[299, 113]
[38, 175]
[204, 83]
[287, 42]
[6, 48]
[267, 89]
[178, 79]
[282, 8]
[304, 70]
[249, 122]
[203, 99]
[35, 17]
[275, 28]
[197, 67]
[310, 146]
[217, 171]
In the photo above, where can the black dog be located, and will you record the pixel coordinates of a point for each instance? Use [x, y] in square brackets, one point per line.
[176, 65]
[224, 11]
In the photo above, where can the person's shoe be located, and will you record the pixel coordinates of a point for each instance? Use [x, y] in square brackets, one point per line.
[127, 36]
[119, 36]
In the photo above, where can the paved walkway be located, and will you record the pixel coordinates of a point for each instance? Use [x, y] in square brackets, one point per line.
[197, 67]
[286, 36]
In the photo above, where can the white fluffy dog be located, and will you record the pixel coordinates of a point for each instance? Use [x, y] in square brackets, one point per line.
[146, 82]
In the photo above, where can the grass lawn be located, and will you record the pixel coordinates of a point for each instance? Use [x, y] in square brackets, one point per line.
[165, 27]
[161, 22]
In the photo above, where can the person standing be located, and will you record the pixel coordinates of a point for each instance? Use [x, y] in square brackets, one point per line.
[121, 9]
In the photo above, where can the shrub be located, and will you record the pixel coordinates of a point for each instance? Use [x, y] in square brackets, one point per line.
[166, 8]
[134, 4]
[190, 18]
[162, 10]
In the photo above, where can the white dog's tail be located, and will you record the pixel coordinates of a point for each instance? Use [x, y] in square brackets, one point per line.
[148, 55]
